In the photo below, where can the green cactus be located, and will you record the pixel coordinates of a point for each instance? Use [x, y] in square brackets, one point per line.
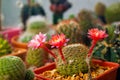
[100, 9]
[86, 21]
[31, 9]
[5, 47]
[13, 68]
[75, 55]
[35, 24]
[71, 30]
[36, 57]
[29, 75]
[109, 49]
[112, 13]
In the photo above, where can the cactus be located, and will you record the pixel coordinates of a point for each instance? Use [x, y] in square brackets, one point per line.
[71, 29]
[86, 22]
[13, 68]
[29, 75]
[31, 9]
[112, 13]
[110, 47]
[75, 55]
[5, 47]
[35, 24]
[36, 57]
[100, 9]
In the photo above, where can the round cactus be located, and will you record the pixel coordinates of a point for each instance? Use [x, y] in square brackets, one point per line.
[31, 10]
[5, 47]
[75, 55]
[112, 13]
[29, 75]
[36, 57]
[71, 30]
[35, 24]
[12, 68]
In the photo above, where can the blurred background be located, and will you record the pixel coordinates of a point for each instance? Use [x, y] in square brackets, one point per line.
[11, 11]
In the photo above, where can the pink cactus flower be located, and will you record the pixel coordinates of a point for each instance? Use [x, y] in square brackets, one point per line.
[39, 42]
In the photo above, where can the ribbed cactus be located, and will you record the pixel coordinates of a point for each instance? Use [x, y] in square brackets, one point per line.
[13, 68]
[86, 21]
[109, 49]
[112, 13]
[35, 24]
[36, 57]
[29, 75]
[75, 55]
[71, 30]
[5, 47]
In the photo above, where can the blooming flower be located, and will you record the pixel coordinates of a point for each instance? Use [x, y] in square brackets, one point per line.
[96, 34]
[58, 40]
[37, 41]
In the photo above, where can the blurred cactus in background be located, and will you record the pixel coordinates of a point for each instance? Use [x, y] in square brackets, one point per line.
[112, 13]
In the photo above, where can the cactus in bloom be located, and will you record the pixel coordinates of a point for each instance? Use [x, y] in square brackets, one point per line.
[110, 47]
[13, 68]
[5, 47]
[70, 29]
[75, 55]
[36, 57]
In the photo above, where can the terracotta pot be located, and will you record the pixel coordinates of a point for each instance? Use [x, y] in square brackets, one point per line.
[17, 44]
[18, 52]
[108, 75]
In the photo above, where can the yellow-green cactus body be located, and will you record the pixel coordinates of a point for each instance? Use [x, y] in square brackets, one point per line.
[5, 47]
[36, 57]
[12, 68]
[71, 30]
[75, 55]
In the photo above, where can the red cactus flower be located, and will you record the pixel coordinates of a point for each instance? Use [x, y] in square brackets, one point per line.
[39, 42]
[96, 35]
[59, 41]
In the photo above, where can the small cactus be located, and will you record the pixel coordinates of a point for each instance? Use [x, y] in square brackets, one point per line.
[112, 13]
[109, 49]
[13, 68]
[75, 55]
[36, 57]
[5, 47]
[70, 29]
[35, 24]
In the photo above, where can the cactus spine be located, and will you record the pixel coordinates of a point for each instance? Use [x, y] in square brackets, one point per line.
[75, 55]
[71, 30]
